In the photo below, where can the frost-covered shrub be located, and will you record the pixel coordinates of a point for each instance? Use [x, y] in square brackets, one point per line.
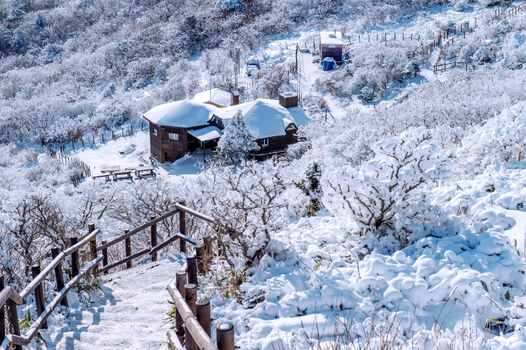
[387, 193]
[502, 137]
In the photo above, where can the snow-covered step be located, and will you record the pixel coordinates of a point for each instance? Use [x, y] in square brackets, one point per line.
[131, 314]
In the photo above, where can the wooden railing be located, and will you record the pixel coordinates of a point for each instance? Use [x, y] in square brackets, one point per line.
[198, 262]
[10, 298]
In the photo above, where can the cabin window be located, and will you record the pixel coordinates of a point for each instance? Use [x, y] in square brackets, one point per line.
[265, 142]
[154, 131]
[173, 137]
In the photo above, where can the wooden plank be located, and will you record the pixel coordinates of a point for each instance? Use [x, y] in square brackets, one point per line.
[138, 229]
[125, 260]
[199, 335]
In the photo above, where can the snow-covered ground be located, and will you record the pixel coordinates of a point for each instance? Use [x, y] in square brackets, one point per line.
[132, 151]
[129, 312]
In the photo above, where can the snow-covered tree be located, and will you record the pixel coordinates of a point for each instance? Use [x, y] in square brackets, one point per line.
[383, 192]
[236, 141]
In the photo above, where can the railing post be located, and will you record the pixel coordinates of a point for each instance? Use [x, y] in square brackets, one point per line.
[182, 230]
[39, 294]
[190, 296]
[180, 282]
[74, 257]
[191, 268]
[207, 241]
[93, 247]
[105, 257]
[13, 320]
[153, 238]
[203, 314]
[225, 336]
[2, 313]
[128, 248]
[200, 257]
[59, 276]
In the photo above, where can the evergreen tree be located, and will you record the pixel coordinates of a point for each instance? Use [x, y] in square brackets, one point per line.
[236, 141]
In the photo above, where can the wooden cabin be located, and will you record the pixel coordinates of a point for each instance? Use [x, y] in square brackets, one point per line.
[176, 128]
[180, 127]
[272, 123]
[331, 45]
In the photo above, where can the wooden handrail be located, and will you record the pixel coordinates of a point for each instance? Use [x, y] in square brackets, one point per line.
[195, 213]
[172, 239]
[35, 327]
[137, 230]
[199, 335]
[10, 294]
[54, 263]
[125, 260]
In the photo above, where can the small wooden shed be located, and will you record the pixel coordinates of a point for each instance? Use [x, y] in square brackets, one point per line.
[331, 45]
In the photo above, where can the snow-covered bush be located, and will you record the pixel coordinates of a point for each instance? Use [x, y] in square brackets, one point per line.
[386, 195]
[236, 142]
[501, 138]
[250, 202]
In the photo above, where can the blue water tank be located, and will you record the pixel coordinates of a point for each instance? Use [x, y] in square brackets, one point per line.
[329, 63]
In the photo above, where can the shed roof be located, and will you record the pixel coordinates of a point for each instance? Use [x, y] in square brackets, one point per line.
[181, 114]
[267, 118]
[206, 134]
[215, 96]
[331, 38]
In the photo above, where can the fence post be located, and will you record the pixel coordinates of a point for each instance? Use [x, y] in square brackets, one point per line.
[191, 267]
[153, 238]
[39, 294]
[203, 314]
[74, 257]
[190, 296]
[182, 230]
[2, 313]
[200, 257]
[105, 257]
[93, 247]
[225, 336]
[13, 320]
[128, 249]
[59, 276]
[180, 282]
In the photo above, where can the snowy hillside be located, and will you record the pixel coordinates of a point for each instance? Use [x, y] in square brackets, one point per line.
[397, 221]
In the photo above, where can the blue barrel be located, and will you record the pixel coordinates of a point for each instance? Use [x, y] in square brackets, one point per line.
[329, 64]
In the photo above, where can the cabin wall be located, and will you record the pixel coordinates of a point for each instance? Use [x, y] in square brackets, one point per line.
[276, 143]
[334, 51]
[162, 148]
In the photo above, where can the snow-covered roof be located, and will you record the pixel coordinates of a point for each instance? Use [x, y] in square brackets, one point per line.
[267, 118]
[216, 96]
[331, 38]
[206, 134]
[182, 114]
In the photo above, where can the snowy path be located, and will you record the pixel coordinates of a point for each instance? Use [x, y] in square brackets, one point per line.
[131, 314]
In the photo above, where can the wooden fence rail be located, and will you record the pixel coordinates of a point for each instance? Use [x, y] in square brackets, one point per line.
[10, 298]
